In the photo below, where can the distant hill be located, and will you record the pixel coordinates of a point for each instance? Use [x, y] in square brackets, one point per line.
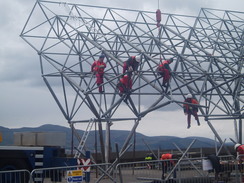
[117, 136]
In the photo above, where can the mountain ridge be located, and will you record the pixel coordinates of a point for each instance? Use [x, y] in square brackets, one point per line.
[117, 136]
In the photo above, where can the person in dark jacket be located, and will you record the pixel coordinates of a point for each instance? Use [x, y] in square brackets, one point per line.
[215, 161]
[131, 65]
[150, 157]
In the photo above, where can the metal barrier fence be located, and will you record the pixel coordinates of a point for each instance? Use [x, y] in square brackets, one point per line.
[69, 174]
[192, 170]
[187, 170]
[14, 176]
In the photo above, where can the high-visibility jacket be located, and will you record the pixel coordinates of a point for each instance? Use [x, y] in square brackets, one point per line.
[166, 156]
[98, 67]
[148, 158]
[125, 84]
[164, 65]
[189, 107]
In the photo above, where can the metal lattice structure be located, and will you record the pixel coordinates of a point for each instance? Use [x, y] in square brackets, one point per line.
[207, 51]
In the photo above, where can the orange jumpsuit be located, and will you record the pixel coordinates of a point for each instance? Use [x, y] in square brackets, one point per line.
[125, 84]
[98, 67]
[191, 110]
[164, 70]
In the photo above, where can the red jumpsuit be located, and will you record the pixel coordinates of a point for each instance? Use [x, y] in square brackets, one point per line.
[98, 67]
[130, 65]
[164, 70]
[125, 84]
[191, 110]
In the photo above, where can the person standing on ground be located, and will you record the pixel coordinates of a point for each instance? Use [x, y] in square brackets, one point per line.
[239, 154]
[149, 158]
[215, 161]
[168, 164]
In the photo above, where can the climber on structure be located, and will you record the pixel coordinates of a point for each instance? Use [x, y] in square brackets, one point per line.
[125, 84]
[131, 65]
[190, 109]
[97, 68]
[158, 17]
[165, 71]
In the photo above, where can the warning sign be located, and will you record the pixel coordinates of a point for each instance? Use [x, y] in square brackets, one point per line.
[74, 176]
[85, 162]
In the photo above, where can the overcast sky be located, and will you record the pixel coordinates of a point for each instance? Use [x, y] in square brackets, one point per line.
[26, 102]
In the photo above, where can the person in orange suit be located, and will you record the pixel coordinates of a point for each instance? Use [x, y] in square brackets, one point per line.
[191, 109]
[165, 71]
[97, 68]
[124, 85]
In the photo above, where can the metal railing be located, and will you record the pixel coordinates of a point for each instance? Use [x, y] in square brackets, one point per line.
[81, 173]
[14, 176]
[186, 170]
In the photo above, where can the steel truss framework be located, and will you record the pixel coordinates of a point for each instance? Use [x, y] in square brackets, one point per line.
[207, 51]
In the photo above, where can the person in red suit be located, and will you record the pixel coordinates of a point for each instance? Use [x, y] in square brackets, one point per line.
[165, 71]
[97, 68]
[191, 109]
[125, 84]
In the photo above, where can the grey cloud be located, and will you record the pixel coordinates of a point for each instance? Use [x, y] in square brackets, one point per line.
[190, 7]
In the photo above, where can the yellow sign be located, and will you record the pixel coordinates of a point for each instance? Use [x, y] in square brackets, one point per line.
[74, 176]
[69, 173]
[76, 173]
